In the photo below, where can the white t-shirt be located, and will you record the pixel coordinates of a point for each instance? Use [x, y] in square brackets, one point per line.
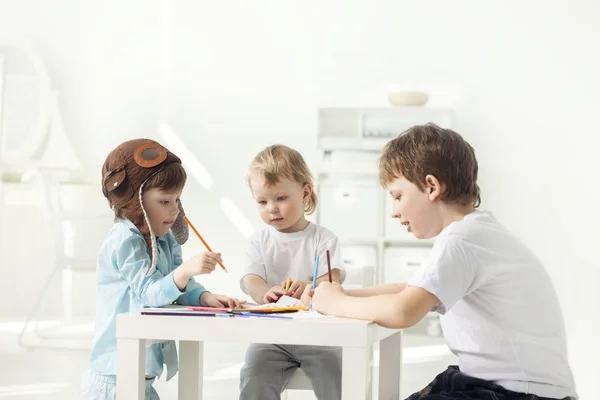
[276, 256]
[500, 311]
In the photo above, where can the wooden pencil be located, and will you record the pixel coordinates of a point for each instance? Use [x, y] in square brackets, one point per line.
[329, 266]
[202, 240]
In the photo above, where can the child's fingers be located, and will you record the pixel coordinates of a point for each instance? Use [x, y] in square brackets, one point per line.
[208, 264]
[207, 269]
[275, 293]
[228, 302]
[278, 294]
[308, 291]
[214, 257]
[222, 302]
[307, 295]
[298, 293]
[296, 290]
[236, 303]
[278, 290]
[294, 287]
[271, 298]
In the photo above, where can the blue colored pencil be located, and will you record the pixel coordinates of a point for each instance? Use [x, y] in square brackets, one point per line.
[314, 285]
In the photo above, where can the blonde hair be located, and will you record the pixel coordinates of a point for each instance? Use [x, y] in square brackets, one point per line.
[278, 162]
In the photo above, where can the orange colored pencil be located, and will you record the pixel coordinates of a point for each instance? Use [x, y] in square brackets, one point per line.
[202, 240]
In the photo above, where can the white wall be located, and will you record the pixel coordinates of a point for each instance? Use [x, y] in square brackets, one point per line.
[240, 75]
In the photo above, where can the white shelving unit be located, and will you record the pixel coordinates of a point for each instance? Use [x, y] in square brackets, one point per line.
[352, 203]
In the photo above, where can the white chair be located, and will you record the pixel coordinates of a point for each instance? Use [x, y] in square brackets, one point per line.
[75, 238]
[298, 381]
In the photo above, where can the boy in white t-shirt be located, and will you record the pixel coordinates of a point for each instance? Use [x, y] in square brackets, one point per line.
[499, 310]
[287, 247]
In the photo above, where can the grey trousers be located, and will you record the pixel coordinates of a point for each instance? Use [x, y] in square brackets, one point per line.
[268, 369]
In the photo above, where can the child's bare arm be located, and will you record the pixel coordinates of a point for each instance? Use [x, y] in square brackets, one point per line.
[202, 263]
[401, 310]
[256, 287]
[388, 288]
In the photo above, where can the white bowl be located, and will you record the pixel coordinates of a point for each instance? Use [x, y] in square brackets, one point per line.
[406, 98]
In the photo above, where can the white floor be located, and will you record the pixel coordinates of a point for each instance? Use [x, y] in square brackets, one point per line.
[53, 374]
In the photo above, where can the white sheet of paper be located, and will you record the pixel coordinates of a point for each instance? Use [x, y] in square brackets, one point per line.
[284, 301]
[287, 301]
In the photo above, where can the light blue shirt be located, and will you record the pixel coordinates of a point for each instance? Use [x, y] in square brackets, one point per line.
[123, 287]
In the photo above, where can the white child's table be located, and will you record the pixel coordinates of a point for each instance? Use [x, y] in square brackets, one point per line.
[354, 336]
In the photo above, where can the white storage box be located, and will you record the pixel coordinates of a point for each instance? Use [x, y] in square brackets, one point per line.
[399, 263]
[360, 266]
[350, 209]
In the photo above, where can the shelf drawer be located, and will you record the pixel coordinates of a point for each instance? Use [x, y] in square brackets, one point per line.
[360, 264]
[399, 264]
[350, 210]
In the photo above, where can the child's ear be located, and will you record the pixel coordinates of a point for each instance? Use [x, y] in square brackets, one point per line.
[433, 187]
[306, 192]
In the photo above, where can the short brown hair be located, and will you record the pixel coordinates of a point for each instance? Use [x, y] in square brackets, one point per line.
[278, 161]
[430, 150]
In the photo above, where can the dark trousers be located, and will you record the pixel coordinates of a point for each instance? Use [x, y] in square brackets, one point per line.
[453, 385]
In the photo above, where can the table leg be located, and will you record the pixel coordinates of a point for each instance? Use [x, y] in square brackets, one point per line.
[191, 373]
[355, 373]
[390, 367]
[131, 365]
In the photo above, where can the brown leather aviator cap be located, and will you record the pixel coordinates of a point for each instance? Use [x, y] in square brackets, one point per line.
[124, 173]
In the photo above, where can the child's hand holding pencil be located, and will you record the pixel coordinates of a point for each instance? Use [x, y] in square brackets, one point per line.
[326, 297]
[219, 261]
[294, 288]
[309, 291]
[202, 263]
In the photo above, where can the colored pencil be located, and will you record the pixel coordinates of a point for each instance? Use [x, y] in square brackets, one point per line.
[202, 240]
[329, 266]
[314, 284]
